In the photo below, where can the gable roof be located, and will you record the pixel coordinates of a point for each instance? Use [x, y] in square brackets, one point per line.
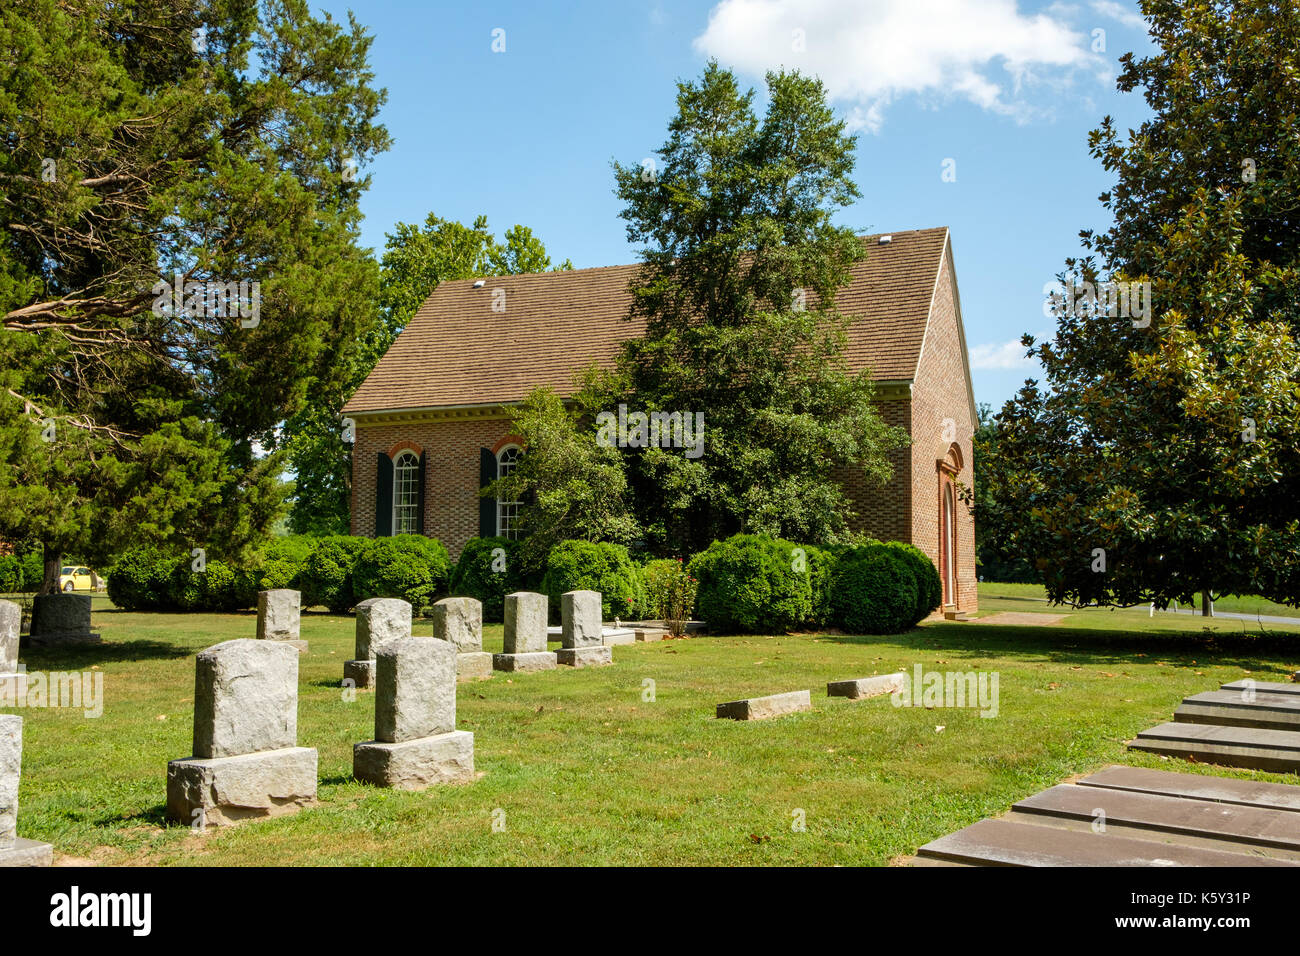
[456, 351]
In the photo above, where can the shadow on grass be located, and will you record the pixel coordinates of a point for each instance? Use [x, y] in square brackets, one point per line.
[73, 657]
[1081, 646]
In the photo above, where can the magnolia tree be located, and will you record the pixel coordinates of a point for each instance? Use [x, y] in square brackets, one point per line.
[1162, 457]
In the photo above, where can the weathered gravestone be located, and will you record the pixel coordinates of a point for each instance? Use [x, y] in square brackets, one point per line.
[581, 638]
[863, 687]
[247, 763]
[416, 741]
[13, 682]
[62, 619]
[525, 635]
[279, 615]
[15, 851]
[459, 620]
[761, 708]
[380, 621]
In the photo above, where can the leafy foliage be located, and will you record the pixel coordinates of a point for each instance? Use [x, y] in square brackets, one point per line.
[595, 566]
[748, 585]
[875, 591]
[412, 567]
[670, 593]
[487, 574]
[1162, 461]
[326, 576]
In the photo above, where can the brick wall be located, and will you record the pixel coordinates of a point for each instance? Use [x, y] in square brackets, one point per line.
[451, 500]
[884, 512]
[938, 393]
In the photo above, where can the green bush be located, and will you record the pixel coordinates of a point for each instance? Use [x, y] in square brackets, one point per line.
[595, 566]
[407, 566]
[11, 574]
[749, 585]
[478, 574]
[821, 570]
[142, 579]
[278, 563]
[326, 575]
[929, 588]
[874, 591]
[670, 593]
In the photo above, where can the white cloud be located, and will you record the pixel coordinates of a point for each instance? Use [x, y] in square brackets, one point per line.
[1007, 355]
[1117, 11]
[871, 52]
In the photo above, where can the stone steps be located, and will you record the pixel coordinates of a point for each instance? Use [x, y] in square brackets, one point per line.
[1125, 816]
[1227, 708]
[1250, 747]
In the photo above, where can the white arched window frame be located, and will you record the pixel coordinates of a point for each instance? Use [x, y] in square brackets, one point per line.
[406, 493]
[508, 511]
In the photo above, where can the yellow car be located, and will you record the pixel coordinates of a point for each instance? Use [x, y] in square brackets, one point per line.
[74, 578]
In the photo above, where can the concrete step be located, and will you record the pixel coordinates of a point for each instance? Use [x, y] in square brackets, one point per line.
[1273, 750]
[1230, 708]
[1263, 687]
[1277, 796]
[1010, 843]
[1187, 821]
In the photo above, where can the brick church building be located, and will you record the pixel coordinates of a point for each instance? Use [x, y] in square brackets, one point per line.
[432, 418]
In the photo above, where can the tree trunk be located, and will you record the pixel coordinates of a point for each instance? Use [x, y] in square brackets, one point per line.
[1207, 605]
[53, 565]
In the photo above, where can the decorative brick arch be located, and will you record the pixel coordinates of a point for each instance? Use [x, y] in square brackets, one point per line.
[948, 468]
[508, 440]
[402, 446]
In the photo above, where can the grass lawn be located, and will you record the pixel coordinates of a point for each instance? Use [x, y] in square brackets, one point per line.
[1036, 594]
[587, 771]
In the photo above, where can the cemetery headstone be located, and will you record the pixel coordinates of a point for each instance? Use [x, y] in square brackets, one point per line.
[62, 619]
[380, 621]
[581, 638]
[15, 851]
[524, 647]
[416, 741]
[246, 763]
[13, 682]
[459, 620]
[279, 614]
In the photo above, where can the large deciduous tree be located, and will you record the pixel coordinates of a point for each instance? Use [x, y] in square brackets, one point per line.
[212, 148]
[1161, 460]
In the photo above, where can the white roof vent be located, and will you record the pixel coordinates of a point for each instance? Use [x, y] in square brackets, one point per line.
[885, 240]
[480, 283]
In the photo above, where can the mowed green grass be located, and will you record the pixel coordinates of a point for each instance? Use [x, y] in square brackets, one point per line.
[583, 769]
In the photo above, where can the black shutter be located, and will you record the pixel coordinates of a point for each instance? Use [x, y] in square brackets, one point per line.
[384, 497]
[487, 505]
[419, 498]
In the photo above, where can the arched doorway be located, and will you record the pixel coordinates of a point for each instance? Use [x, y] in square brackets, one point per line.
[949, 467]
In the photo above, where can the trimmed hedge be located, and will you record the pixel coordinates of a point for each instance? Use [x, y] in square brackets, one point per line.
[141, 580]
[475, 576]
[874, 591]
[407, 566]
[278, 563]
[595, 566]
[748, 584]
[929, 589]
[326, 575]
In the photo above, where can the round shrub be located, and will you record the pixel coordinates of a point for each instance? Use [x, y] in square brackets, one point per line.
[407, 566]
[326, 576]
[821, 569]
[278, 563]
[11, 574]
[929, 589]
[874, 591]
[485, 574]
[595, 566]
[142, 578]
[748, 584]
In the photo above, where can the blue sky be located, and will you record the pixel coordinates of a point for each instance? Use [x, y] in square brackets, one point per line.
[1006, 90]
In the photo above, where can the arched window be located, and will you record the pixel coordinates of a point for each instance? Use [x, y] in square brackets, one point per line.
[508, 511]
[406, 493]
